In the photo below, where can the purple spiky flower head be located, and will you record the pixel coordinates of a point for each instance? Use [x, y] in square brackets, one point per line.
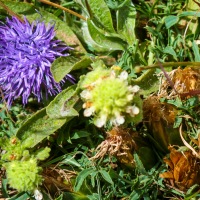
[27, 51]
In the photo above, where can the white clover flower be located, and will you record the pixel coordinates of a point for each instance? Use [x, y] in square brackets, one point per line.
[110, 99]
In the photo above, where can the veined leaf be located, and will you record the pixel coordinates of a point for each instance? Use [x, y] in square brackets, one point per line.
[148, 82]
[126, 17]
[74, 196]
[101, 12]
[170, 50]
[190, 13]
[109, 42]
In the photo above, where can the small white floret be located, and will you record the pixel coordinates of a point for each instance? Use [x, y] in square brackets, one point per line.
[134, 88]
[86, 94]
[133, 110]
[88, 112]
[101, 121]
[123, 75]
[119, 120]
[38, 195]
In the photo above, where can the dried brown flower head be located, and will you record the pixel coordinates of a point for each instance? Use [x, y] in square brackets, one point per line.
[184, 169]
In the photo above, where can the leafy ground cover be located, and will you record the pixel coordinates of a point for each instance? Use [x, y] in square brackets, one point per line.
[99, 99]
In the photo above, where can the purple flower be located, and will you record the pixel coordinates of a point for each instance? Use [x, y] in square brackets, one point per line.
[27, 51]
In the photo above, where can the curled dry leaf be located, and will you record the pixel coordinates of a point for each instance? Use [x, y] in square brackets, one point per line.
[184, 169]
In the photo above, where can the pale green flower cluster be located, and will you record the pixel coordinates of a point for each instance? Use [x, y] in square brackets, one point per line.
[108, 96]
[24, 175]
[22, 170]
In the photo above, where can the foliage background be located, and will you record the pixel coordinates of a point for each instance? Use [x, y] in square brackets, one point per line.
[148, 39]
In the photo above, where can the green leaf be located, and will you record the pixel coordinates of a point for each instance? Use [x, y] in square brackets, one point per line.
[4, 188]
[74, 196]
[148, 82]
[81, 177]
[71, 161]
[63, 103]
[139, 165]
[170, 50]
[20, 196]
[171, 20]
[189, 13]
[195, 48]
[63, 32]
[79, 134]
[111, 43]
[115, 5]
[64, 65]
[106, 176]
[126, 17]
[38, 127]
[101, 12]
[93, 177]
[192, 192]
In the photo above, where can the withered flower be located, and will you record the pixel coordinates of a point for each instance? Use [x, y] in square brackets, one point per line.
[159, 118]
[119, 143]
[184, 169]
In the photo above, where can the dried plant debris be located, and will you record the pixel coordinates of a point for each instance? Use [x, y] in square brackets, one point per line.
[186, 83]
[183, 169]
[159, 117]
[119, 143]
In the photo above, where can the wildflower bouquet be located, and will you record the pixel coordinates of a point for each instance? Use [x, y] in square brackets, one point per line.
[99, 99]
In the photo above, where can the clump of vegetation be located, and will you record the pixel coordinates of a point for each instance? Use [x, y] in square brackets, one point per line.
[99, 99]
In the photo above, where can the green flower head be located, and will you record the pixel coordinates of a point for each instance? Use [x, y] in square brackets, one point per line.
[108, 96]
[23, 175]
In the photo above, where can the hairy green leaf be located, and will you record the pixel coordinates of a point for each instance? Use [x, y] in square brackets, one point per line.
[38, 127]
[63, 103]
[148, 82]
[64, 65]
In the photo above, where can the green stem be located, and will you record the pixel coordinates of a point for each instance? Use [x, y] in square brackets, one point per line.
[194, 65]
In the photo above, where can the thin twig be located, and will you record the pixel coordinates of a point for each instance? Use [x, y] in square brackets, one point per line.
[10, 12]
[167, 76]
[63, 8]
[186, 144]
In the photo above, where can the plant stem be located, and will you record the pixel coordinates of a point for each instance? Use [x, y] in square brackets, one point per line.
[63, 8]
[171, 64]
[10, 12]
